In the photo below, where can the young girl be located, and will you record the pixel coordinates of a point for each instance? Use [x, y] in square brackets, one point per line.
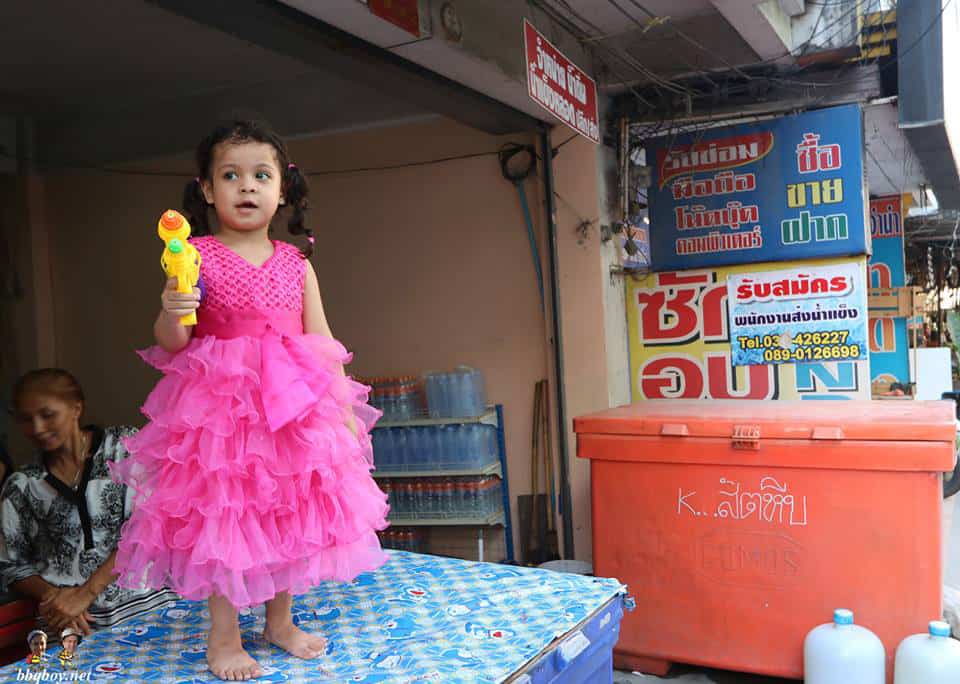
[253, 475]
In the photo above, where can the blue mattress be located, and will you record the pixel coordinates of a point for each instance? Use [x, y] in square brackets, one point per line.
[417, 619]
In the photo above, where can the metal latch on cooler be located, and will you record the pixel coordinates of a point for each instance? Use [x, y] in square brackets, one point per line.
[746, 437]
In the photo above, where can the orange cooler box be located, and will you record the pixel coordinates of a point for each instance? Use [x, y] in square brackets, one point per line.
[738, 526]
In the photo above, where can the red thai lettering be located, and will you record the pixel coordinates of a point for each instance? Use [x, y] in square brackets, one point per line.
[721, 376]
[813, 157]
[668, 316]
[713, 304]
[839, 284]
[671, 377]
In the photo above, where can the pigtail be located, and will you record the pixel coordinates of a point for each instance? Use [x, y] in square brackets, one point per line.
[195, 206]
[295, 193]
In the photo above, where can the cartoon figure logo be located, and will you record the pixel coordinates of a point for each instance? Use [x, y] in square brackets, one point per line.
[70, 639]
[37, 640]
[401, 627]
[139, 635]
[194, 654]
[391, 662]
[107, 669]
[476, 631]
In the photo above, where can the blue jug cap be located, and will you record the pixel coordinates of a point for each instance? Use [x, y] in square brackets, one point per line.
[842, 616]
[939, 628]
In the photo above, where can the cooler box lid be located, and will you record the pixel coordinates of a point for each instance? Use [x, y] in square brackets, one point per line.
[860, 420]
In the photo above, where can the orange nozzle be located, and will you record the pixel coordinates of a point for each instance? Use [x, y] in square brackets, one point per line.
[171, 220]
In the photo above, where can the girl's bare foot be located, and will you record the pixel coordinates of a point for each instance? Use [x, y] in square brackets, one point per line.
[295, 641]
[225, 655]
[228, 661]
[281, 631]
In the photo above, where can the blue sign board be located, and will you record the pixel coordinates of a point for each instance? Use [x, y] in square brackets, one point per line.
[889, 346]
[779, 190]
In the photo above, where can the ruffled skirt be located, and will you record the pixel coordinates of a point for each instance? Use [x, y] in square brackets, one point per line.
[247, 480]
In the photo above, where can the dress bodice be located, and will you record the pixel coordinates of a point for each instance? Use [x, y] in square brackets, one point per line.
[243, 299]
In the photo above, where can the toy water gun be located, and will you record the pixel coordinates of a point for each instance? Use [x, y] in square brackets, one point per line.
[180, 259]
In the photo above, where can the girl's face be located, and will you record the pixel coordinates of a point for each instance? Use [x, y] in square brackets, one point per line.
[245, 185]
[47, 421]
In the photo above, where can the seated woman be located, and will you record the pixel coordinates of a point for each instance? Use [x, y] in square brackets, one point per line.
[60, 518]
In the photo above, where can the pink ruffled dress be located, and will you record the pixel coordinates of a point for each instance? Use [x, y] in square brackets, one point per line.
[248, 481]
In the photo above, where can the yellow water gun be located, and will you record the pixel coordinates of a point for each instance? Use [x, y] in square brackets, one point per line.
[180, 259]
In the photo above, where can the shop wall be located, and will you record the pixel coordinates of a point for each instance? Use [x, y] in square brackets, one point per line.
[26, 318]
[420, 267]
[428, 267]
[592, 307]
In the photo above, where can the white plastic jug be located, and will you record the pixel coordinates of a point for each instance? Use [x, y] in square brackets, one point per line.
[932, 658]
[841, 652]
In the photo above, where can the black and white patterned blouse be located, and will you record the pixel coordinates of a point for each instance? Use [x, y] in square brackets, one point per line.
[62, 535]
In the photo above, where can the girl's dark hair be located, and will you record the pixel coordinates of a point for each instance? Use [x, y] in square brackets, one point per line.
[54, 382]
[294, 184]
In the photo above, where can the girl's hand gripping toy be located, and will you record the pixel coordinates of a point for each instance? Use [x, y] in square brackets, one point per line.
[180, 259]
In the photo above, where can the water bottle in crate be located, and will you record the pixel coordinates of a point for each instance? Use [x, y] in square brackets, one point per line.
[387, 488]
[470, 392]
[404, 495]
[448, 499]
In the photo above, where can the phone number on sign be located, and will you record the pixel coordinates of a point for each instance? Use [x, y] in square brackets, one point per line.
[843, 351]
[803, 339]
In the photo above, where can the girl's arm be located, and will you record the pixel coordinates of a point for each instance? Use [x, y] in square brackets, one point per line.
[167, 330]
[315, 323]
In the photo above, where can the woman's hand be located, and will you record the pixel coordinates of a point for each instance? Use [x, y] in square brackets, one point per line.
[179, 304]
[67, 607]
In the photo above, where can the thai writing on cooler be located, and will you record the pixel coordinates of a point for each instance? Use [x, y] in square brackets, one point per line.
[771, 503]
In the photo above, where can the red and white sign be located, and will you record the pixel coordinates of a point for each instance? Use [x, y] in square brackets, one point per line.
[560, 86]
[404, 14]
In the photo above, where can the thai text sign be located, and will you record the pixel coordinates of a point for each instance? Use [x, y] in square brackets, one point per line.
[889, 345]
[780, 190]
[812, 313]
[679, 338]
[560, 86]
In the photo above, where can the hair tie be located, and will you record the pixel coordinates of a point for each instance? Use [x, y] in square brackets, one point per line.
[291, 166]
[310, 239]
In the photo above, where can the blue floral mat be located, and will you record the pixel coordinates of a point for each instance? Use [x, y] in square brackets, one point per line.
[417, 619]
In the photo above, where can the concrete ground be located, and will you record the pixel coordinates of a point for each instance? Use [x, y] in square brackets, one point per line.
[694, 675]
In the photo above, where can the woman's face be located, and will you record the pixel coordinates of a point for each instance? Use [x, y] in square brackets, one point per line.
[48, 422]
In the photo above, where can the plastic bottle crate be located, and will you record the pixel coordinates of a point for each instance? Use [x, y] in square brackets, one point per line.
[436, 447]
[435, 498]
